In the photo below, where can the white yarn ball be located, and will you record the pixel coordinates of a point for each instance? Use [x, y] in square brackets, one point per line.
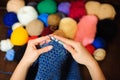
[6, 45]
[16, 25]
[26, 14]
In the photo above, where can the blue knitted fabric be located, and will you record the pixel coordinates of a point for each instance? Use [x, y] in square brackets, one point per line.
[57, 64]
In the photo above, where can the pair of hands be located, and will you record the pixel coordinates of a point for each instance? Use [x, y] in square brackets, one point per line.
[78, 52]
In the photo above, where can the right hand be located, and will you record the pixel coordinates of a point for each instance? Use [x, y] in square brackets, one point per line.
[77, 50]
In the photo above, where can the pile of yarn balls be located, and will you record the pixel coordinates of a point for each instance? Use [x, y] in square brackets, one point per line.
[76, 20]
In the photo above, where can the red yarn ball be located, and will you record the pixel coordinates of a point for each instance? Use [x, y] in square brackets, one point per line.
[46, 31]
[77, 10]
[32, 37]
[90, 48]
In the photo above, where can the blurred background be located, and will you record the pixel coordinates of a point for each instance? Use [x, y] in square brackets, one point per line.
[110, 65]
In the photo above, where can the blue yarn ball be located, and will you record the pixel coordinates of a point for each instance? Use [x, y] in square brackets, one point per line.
[99, 43]
[64, 7]
[10, 54]
[44, 18]
[9, 33]
[9, 19]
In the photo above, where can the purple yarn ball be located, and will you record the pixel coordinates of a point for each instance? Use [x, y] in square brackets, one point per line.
[64, 7]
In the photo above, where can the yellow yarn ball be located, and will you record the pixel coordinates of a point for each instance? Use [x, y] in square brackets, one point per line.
[19, 36]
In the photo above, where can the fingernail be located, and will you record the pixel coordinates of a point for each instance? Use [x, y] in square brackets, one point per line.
[50, 47]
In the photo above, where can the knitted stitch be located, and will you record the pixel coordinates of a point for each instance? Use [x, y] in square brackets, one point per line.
[56, 64]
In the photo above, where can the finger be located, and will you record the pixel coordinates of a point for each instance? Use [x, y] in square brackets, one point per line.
[64, 40]
[39, 40]
[69, 48]
[45, 49]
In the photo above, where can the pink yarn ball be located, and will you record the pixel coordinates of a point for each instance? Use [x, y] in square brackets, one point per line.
[86, 30]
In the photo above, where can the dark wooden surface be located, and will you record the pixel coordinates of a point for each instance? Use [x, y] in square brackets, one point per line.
[110, 65]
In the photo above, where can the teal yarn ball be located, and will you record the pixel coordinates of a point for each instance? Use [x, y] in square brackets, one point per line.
[47, 6]
[10, 54]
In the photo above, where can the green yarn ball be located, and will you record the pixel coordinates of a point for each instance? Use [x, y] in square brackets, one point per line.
[47, 6]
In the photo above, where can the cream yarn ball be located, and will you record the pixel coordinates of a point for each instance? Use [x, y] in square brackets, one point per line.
[102, 11]
[35, 27]
[6, 45]
[99, 54]
[26, 14]
[16, 25]
[15, 5]
[68, 26]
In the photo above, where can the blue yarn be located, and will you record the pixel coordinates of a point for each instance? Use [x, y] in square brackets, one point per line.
[9, 19]
[10, 55]
[44, 17]
[99, 43]
[57, 64]
[9, 33]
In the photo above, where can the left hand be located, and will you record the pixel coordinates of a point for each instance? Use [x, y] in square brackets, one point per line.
[32, 53]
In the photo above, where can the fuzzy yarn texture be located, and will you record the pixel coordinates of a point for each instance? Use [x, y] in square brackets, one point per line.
[86, 29]
[99, 43]
[15, 5]
[19, 36]
[90, 48]
[57, 64]
[54, 20]
[26, 14]
[35, 27]
[46, 31]
[6, 45]
[99, 54]
[44, 18]
[64, 7]
[68, 26]
[47, 6]
[10, 54]
[9, 19]
[77, 9]
[9, 32]
[101, 10]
